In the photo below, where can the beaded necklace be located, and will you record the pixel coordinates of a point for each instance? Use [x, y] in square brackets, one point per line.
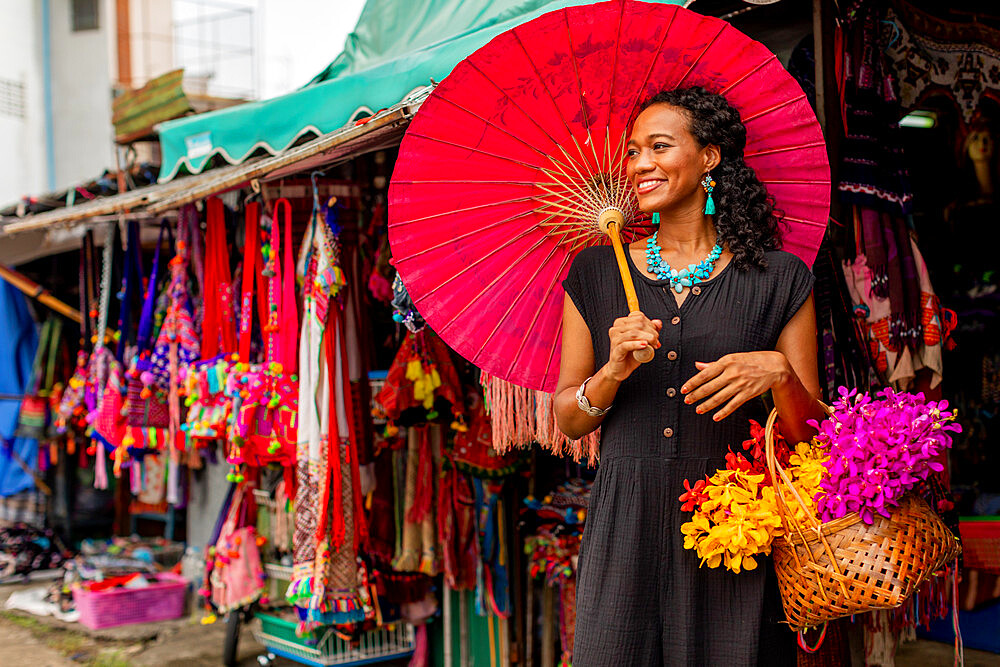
[692, 275]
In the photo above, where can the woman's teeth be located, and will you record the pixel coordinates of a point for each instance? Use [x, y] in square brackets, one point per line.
[647, 186]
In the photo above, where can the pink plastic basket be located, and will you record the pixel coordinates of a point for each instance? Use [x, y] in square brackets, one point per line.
[160, 601]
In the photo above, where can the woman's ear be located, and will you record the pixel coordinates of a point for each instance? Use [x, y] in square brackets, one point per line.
[713, 156]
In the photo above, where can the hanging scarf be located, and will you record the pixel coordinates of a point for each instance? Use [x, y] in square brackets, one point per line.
[873, 173]
[418, 552]
[328, 530]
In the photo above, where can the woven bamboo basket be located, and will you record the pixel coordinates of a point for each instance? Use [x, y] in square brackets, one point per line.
[844, 567]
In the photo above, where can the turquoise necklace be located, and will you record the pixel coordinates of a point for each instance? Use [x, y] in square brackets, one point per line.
[692, 275]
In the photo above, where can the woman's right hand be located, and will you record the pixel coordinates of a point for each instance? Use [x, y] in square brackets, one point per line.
[628, 335]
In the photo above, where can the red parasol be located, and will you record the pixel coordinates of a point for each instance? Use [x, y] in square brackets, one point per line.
[506, 170]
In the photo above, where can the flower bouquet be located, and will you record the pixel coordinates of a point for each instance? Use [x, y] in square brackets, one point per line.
[847, 534]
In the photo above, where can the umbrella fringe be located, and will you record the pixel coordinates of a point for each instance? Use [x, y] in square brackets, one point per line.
[521, 417]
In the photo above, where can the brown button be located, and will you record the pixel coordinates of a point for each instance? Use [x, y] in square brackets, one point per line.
[668, 432]
[671, 355]
[675, 320]
[696, 290]
[671, 392]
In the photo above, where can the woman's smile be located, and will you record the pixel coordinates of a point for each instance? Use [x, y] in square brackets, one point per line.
[644, 186]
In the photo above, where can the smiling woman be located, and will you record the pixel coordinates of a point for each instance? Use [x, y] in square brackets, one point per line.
[733, 321]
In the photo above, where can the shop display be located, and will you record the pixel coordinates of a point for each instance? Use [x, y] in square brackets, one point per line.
[303, 336]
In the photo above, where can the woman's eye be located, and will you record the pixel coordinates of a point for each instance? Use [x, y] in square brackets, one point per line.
[632, 152]
[659, 146]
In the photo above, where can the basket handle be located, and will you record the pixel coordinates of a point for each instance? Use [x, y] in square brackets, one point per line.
[787, 516]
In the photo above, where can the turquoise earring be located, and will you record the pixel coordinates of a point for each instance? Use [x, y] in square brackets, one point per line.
[656, 219]
[709, 185]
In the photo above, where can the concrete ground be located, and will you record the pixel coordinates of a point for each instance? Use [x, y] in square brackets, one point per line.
[47, 642]
[924, 653]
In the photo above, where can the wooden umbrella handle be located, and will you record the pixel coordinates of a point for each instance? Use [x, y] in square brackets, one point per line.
[611, 222]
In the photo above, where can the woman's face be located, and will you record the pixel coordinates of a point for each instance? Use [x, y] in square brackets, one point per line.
[665, 163]
[980, 146]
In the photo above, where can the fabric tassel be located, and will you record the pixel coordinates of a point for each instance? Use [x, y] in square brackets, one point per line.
[521, 417]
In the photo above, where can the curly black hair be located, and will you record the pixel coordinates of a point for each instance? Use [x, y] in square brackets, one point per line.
[745, 220]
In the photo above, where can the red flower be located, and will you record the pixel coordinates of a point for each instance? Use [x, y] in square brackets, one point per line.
[693, 497]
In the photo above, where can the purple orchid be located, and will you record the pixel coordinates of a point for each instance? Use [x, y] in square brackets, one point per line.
[879, 449]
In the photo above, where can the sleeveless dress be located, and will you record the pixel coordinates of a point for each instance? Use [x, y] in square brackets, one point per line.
[642, 600]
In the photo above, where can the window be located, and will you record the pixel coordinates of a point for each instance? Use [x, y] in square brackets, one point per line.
[11, 98]
[85, 15]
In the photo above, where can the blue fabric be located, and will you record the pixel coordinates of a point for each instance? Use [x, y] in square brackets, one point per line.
[17, 353]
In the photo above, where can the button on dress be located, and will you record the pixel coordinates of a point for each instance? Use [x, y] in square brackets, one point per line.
[642, 600]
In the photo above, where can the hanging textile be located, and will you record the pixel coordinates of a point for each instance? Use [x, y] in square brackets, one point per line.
[898, 363]
[873, 171]
[419, 548]
[266, 418]
[17, 346]
[34, 417]
[421, 382]
[327, 528]
[932, 56]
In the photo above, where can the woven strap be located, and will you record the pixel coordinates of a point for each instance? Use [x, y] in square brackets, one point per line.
[104, 298]
[249, 271]
[282, 344]
[35, 382]
[289, 314]
[217, 321]
[86, 287]
[55, 335]
[149, 301]
[130, 278]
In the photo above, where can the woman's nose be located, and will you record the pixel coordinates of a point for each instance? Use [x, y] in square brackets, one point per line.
[643, 162]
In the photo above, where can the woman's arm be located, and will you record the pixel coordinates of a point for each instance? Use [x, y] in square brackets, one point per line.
[577, 364]
[789, 372]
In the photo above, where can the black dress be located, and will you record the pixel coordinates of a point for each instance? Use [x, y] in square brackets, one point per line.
[641, 597]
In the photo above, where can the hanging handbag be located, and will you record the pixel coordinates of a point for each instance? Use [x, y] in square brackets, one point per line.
[236, 577]
[71, 411]
[33, 418]
[147, 399]
[265, 420]
[205, 382]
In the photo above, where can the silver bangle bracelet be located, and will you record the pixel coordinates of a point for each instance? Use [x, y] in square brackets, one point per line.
[584, 404]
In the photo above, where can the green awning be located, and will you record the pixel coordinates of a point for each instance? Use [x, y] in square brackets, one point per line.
[398, 47]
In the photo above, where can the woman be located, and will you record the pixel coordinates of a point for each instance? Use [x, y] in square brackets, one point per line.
[743, 325]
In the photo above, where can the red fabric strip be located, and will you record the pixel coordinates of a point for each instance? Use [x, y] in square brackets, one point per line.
[249, 270]
[424, 493]
[210, 316]
[334, 484]
[360, 523]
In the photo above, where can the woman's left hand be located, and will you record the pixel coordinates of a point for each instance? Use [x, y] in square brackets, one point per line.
[733, 380]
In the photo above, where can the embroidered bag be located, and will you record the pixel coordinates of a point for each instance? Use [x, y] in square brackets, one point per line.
[33, 419]
[147, 399]
[236, 577]
[205, 382]
[265, 421]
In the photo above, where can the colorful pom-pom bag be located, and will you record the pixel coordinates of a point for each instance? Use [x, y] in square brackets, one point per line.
[209, 407]
[266, 395]
[147, 398]
[34, 416]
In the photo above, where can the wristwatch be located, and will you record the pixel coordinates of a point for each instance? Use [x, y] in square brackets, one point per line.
[584, 404]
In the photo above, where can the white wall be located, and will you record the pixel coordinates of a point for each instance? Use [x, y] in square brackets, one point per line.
[81, 95]
[22, 140]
